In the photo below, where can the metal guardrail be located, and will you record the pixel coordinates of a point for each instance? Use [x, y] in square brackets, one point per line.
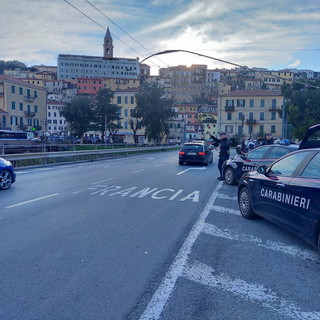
[55, 157]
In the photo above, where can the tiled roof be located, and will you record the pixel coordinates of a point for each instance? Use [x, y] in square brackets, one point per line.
[251, 93]
[6, 78]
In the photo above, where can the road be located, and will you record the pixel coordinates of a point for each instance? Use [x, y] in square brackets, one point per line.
[145, 238]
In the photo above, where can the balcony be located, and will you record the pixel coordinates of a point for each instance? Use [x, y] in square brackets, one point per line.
[273, 108]
[30, 98]
[29, 114]
[229, 108]
[251, 121]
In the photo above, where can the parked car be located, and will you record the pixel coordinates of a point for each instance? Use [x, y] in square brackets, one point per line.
[7, 174]
[234, 168]
[195, 152]
[287, 192]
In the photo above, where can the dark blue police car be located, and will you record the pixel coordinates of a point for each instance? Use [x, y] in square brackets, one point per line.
[288, 191]
[234, 168]
[7, 174]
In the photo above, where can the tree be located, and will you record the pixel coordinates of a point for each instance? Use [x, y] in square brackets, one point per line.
[106, 113]
[135, 124]
[79, 114]
[154, 110]
[11, 65]
[302, 106]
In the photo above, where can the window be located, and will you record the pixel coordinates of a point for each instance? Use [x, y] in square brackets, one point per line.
[261, 115]
[21, 106]
[273, 115]
[313, 168]
[273, 129]
[288, 165]
[229, 103]
[262, 103]
[241, 103]
[277, 152]
[125, 112]
[274, 104]
[20, 91]
[126, 100]
[13, 89]
[35, 108]
[118, 100]
[251, 103]
[13, 105]
[229, 129]
[229, 116]
[256, 154]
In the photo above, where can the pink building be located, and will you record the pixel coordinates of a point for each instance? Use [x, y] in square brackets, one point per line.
[89, 85]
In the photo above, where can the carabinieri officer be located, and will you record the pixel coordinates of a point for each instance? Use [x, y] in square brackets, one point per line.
[224, 151]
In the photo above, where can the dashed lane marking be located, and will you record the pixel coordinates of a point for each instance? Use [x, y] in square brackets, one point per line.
[32, 200]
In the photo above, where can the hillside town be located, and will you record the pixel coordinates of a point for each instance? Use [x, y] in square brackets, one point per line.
[244, 103]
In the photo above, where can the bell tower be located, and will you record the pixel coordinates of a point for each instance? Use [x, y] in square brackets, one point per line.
[107, 45]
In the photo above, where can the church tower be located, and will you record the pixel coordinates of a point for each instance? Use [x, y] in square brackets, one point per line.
[108, 46]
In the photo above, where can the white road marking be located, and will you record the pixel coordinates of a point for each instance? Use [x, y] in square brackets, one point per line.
[138, 171]
[32, 200]
[226, 197]
[166, 287]
[307, 255]
[184, 171]
[206, 275]
[158, 165]
[225, 210]
[102, 181]
[107, 166]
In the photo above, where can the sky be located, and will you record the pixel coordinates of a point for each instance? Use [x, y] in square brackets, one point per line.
[273, 34]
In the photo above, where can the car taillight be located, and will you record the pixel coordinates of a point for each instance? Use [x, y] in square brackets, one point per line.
[182, 152]
[201, 153]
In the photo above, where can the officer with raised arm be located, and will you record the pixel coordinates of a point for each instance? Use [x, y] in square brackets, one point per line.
[224, 151]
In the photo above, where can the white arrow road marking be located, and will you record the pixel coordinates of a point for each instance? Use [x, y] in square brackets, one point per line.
[202, 168]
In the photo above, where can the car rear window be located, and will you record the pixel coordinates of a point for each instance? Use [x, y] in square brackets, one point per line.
[194, 148]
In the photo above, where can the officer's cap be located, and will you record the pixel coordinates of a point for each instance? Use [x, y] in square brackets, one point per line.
[222, 133]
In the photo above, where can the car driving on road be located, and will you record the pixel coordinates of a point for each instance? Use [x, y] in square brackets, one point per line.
[7, 174]
[234, 168]
[287, 192]
[195, 152]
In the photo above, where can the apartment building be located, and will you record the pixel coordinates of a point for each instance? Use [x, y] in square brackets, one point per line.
[125, 99]
[72, 66]
[188, 84]
[56, 124]
[22, 105]
[250, 113]
[88, 86]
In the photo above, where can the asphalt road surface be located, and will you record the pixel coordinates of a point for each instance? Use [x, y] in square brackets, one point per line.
[144, 238]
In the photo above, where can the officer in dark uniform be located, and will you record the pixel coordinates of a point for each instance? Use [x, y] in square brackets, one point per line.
[268, 139]
[224, 151]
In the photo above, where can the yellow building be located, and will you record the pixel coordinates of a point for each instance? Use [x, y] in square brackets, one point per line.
[125, 99]
[121, 84]
[250, 113]
[22, 105]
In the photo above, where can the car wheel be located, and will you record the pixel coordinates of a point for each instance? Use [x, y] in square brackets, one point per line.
[6, 179]
[245, 204]
[229, 176]
[181, 163]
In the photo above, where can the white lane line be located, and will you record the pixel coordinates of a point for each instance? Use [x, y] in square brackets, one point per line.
[307, 255]
[184, 171]
[107, 166]
[226, 197]
[102, 181]
[166, 287]
[32, 200]
[225, 210]
[158, 165]
[205, 275]
[138, 171]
